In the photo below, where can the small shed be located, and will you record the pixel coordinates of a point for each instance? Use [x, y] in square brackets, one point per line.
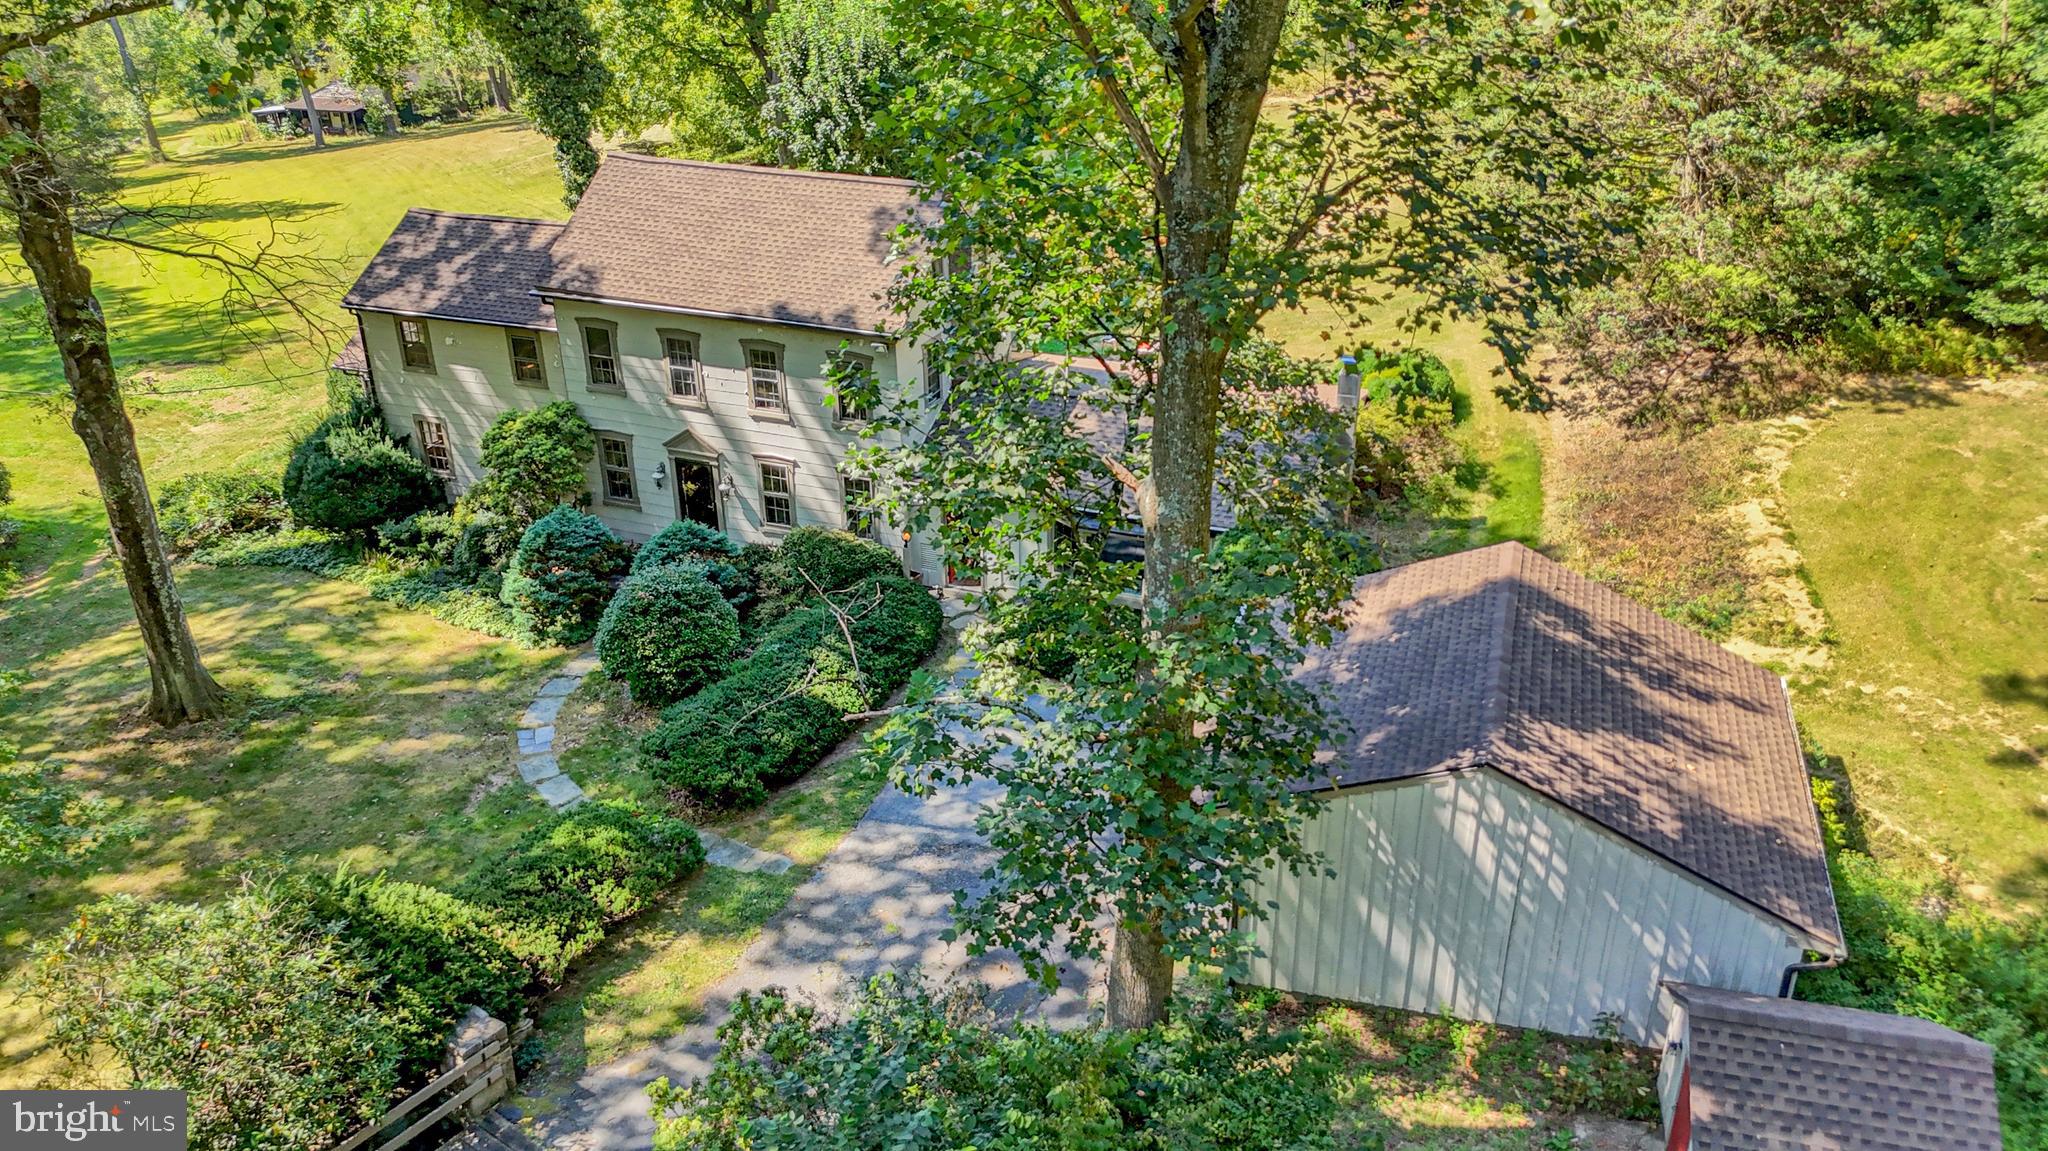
[1551, 800]
[340, 110]
[1758, 1073]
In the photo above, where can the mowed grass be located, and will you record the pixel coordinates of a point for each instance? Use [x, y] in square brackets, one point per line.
[1509, 445]
[360, 733]
[1923, 521]
[336, 204]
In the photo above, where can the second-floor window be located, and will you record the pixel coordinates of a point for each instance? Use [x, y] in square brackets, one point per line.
[414, 348]
[778, 498]
[615, 461]
[526, 363]
[435, 451]
[934, 381]
[601, 356]
[684, 378]
[850, 378]
[764, 378]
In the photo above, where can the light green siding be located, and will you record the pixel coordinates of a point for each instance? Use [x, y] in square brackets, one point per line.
[1470, 894]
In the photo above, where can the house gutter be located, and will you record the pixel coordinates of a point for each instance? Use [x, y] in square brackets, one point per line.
[1792, 970]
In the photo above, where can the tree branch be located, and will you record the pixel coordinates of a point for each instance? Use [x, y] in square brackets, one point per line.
[43, 34]
[1113, 91]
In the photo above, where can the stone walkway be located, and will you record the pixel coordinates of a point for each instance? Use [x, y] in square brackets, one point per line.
[879, 902]
[539, 766]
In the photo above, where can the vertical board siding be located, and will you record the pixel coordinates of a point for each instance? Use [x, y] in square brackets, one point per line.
[1472, 894]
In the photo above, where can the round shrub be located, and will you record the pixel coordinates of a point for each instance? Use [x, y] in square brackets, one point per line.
[350, 479]
[831, 560]
[690, 541]
[534, 460]
[268, 1023]
[667, 632]
[561, 576]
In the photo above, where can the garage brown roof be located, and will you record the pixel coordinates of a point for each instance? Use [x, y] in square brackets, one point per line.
[1501, 658]
[788, 247]
[1778, 1073]
[461, 266]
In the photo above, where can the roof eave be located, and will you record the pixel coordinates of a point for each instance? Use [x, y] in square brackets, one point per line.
[551, 294]
[356, 306]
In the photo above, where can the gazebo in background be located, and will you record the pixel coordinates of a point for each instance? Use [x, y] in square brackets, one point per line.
[340, 110]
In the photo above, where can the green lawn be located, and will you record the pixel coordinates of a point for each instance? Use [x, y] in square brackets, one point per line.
[1923, 521]
[1509, 445]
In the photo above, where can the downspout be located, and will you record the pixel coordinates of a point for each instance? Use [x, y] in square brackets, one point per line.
[1792, 970]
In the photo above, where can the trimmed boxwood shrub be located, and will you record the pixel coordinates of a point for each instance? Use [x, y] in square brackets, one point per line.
[834, 561]
[783, 708]
[687, 541]
[533, 460]
[347, 475]
[567, 880]
[667, 632]
[435, 955]
[561, 575]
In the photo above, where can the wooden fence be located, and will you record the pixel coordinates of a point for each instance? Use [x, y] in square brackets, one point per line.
[478, 1075]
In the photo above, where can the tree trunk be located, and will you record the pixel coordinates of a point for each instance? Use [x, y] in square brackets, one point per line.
[1222, 80]
[501, 92]
[134, 85]
[312, 113]
[390, 90]
[181, 691]
[455, 85]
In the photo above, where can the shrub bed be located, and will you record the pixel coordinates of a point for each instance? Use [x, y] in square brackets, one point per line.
[561, 576]
[202, 508]
[347, 476]
[570, 878]
[667, 632]
[784, 707]
[687, 541]
[437, 591]
[831, 560]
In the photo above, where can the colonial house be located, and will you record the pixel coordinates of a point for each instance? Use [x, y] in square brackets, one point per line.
[1550, 801]
[690, 311]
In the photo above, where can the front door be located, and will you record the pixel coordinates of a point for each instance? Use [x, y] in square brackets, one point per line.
[696, 491]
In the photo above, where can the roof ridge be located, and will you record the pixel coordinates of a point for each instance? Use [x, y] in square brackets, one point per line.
[763, 169]
[1833, 1020]
[486, 216]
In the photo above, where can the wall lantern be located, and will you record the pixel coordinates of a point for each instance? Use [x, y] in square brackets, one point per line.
[725, 487]
[906, 535]
[660, 475]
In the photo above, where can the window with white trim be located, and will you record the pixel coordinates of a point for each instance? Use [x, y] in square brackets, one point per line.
[934, 380]
[685, 376]
[615, 462]
[850, 378]
[432, 436]
[526, 362]
[778, 495]
[764, 377]
[857, 493]
[601, 356]
[415, 347]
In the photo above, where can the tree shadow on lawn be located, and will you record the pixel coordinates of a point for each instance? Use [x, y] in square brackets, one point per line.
[358, 734]
[147, 326]
[195, 165]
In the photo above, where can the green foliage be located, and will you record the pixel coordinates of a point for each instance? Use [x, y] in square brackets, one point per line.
[267, 1023]
[202, 508]
[556, 62]
[687, 541]
[903, 1069]
[6, 485]
[444, 593]
[1409, 380]
[534, 459]
[667, 632]
[585, 869]
[1940, 347]
[432, 954]
[780, 710]
[561, 576]
[813, 560]
[835, 73]
[347, 476]
[49, 826]
[1038, 635]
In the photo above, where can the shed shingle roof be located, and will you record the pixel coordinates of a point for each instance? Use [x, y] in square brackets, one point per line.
[1501, 658]
[1772, 1074]
[810, 248]
[462, 267]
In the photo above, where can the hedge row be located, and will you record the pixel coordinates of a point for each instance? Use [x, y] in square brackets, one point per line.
[784, 706]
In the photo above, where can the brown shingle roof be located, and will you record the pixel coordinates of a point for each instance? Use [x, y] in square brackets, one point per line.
[810, 248]
[1499, 657]
[1778, 1073]
[462, 267]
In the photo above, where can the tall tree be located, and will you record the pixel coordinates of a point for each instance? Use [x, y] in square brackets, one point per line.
[548, 41]
[307, 75]
[379, 40]
[1130, 198]
[132, 80]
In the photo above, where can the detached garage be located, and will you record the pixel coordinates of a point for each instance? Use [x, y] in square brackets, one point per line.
[1551, 801]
